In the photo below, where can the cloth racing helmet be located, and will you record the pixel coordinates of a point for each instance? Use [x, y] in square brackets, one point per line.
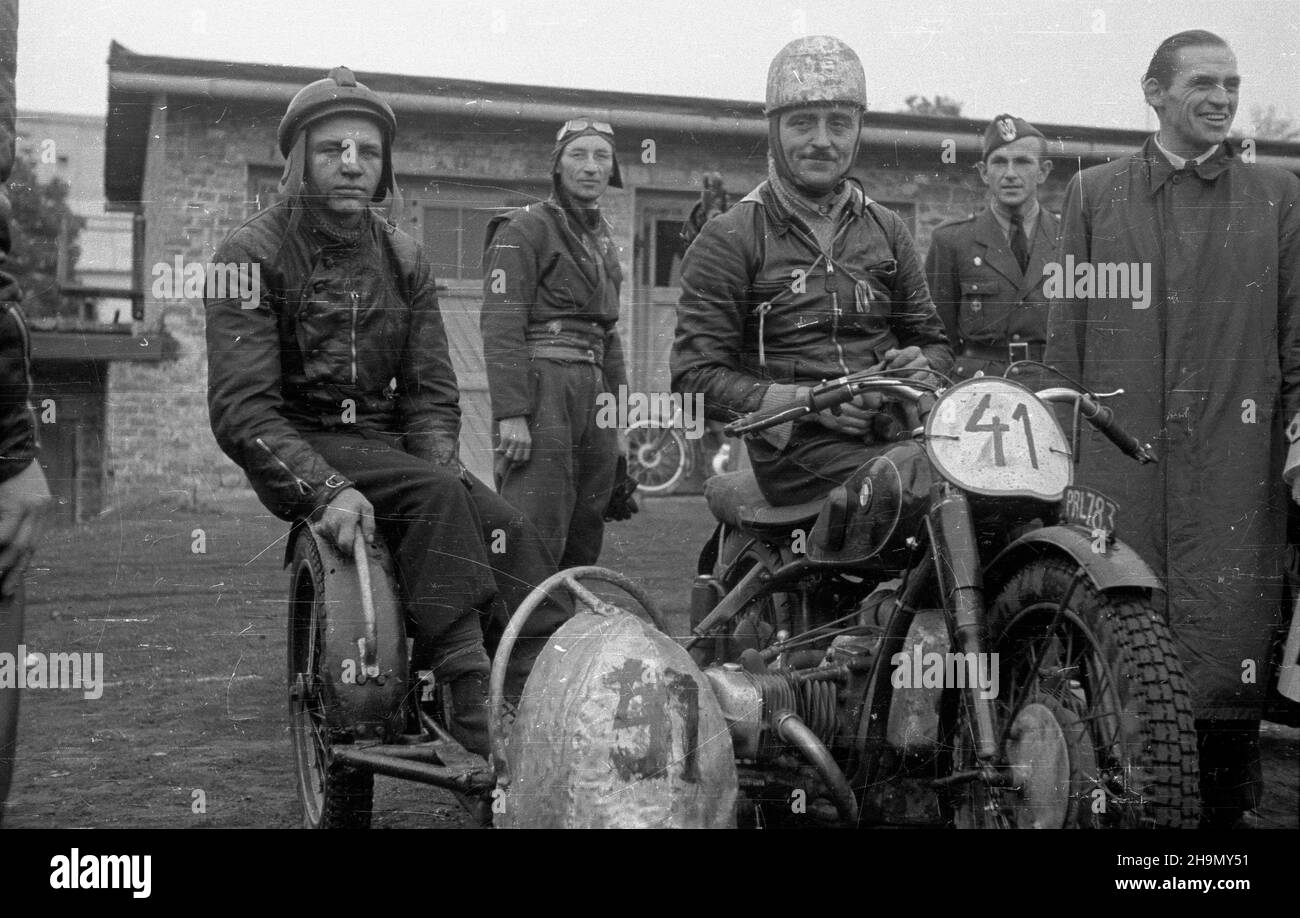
[338, 93]
[583, 126]
[815, 70]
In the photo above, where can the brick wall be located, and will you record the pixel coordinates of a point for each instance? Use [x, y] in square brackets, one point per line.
[161, 447]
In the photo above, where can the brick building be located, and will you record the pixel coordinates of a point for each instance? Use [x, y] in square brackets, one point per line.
[73, 356]
[190, 146]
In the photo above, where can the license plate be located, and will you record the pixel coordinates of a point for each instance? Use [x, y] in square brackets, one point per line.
[1090, 509]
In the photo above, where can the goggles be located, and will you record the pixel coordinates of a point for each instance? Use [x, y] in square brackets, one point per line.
[576, 125]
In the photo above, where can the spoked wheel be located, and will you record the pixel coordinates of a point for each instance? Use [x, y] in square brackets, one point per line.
[333, 795]
[657, 458]
[1092, 715]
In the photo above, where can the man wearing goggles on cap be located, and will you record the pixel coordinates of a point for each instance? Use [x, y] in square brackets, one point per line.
[805, 279]
[985, 272]
[550, 305]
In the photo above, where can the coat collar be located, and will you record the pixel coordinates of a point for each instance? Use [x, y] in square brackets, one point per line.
[782, 219]
[1159, 170]
[990, 245]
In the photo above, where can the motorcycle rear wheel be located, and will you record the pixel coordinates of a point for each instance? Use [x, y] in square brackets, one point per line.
[1093, 714]
[333, 795]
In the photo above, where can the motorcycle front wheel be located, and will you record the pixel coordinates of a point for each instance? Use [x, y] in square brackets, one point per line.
[1092, 714]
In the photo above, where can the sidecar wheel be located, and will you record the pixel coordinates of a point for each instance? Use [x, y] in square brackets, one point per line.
[1093, 713]
[333, 795]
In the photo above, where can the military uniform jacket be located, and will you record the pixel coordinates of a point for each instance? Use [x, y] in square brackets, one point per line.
[982, 296]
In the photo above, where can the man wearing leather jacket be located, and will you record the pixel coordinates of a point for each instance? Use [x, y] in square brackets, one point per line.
[551, 346]
[334, 391]
[805, 279]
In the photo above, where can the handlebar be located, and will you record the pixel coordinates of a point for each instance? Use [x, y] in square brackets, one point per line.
[1103, 419]
[838, 391]
[827, 395]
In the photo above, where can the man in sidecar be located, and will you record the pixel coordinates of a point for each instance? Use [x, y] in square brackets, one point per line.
[805, 279]
[332, 387]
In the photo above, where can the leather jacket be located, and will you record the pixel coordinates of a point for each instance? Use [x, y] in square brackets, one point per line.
[761, 304]
[346, 334]
[542, 285]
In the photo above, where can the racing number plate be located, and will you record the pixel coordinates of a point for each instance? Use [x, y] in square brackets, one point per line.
[1090, 509]
[992, 437]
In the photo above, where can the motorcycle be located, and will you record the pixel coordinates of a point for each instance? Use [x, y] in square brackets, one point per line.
[955, 636]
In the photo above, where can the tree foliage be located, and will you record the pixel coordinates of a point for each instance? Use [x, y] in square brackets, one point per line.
[940, 105]
[39, 214]
[1270, 124]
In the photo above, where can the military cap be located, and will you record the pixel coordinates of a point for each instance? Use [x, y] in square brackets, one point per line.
[1004, 129]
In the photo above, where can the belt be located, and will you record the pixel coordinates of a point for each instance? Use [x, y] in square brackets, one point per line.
[587, 328]
[1004, 353]
[566, 352]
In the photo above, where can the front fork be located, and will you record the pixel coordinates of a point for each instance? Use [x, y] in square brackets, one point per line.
[952, 559]
[961, 585]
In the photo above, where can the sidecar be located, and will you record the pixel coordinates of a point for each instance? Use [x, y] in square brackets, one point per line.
[616, 726]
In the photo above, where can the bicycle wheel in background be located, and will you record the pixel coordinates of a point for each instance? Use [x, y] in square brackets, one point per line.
[658, 458]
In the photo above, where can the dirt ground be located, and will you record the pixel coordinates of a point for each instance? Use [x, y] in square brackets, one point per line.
[191, 729]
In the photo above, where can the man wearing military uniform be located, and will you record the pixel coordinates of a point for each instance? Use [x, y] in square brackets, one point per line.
[986, 271]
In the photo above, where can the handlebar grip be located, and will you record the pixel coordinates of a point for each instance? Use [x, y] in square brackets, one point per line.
[1103, 418]
[830, 398]
[768, 417]
[779, 414]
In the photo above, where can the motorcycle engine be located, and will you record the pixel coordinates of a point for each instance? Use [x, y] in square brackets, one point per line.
[827, 697]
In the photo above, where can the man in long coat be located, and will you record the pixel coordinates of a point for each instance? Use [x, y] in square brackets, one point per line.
[1198, 320]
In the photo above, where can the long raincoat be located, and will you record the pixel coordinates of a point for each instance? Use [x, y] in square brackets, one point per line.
[1209, 358]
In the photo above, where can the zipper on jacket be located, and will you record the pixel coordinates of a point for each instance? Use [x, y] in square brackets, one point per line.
[835, 298]
[303, 488]
[355, 299]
